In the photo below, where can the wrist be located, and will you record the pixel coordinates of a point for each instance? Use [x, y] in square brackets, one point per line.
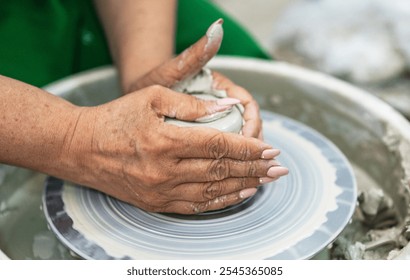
[76, 146]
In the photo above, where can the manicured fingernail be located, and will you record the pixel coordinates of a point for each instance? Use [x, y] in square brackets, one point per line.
[214, 116]
[270, 154]
[221, 105]
[215, 112]
[247, 193]
[277, 171]
[227, 101]
[265, 180]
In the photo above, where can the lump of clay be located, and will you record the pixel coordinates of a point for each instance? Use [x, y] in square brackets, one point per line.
[200, 86]
[363, 41]
[377, 208]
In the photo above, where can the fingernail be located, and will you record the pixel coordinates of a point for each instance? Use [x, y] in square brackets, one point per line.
[227, 101]
[216, 111]
[217, 114]
[277, 171]
[222, 105]
[215, 29]
[270, 154]
[265, 180]
[247, 193]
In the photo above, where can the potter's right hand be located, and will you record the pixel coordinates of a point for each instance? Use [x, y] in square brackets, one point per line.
[126, 149]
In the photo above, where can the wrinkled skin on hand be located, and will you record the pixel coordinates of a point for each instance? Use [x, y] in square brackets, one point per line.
[190, 62]
[127, 150]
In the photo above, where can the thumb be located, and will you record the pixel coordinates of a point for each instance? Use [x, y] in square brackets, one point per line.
[193, 59]
[172, 104]
[189, 62]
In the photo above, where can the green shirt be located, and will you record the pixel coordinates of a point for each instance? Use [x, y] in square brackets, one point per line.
[45, 40]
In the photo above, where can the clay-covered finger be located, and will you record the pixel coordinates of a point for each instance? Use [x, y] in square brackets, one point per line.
[189, 62]
[222, 202]
[193, 59]
[191, 208]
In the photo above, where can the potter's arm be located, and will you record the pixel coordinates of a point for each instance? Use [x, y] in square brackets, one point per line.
[35, 126]
[140, 34]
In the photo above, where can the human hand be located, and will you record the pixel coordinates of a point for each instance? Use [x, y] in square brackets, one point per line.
[189, 63]
[126, 149]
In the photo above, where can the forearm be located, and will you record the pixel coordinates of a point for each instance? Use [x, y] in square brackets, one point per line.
[35, 127]
[140, 34]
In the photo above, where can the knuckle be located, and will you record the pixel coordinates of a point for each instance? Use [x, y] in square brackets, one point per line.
[212, 190]
[153, 179]
[200, 207]
[218, 170]
[248, 151]
[154, 95]
[155, 89]
[217, 146]
[243, 183]
[252, 169]
[245, 151]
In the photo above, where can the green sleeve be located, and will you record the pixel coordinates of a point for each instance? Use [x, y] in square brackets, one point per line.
[194, 18]
[45, 40]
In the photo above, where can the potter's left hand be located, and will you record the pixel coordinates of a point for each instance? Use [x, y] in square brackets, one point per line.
[189, 63]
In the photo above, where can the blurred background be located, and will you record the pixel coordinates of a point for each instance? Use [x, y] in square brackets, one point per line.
[258, 16]
[366, 42]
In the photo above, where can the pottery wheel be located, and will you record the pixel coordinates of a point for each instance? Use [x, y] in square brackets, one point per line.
[292, 218]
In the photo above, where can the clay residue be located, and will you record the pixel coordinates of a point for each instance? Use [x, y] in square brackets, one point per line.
[397, 145]
[200, 83]
[377, 230]
[201, 86]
